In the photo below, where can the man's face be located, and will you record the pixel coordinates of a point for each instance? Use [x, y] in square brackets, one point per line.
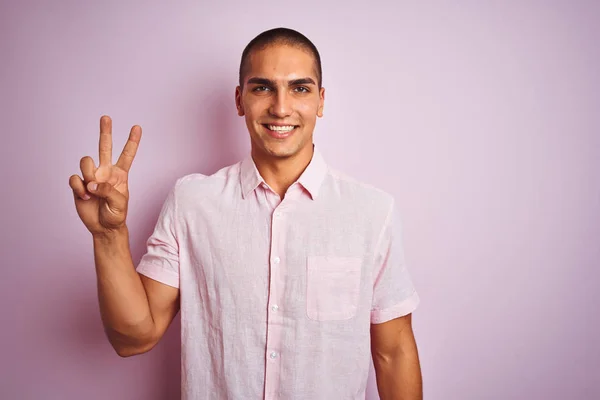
[280, 100]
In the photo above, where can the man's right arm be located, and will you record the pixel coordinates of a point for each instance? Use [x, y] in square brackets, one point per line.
[136, 310]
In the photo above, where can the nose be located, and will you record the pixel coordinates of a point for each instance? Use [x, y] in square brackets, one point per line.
[281, 105]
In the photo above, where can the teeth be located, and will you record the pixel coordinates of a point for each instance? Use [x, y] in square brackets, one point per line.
[281, 128]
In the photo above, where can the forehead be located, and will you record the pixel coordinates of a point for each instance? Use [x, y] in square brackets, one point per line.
[281, 62]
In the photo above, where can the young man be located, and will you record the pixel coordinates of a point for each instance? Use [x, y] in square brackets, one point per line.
[289, 275]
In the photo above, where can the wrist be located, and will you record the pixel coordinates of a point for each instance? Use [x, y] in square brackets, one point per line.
[111, 235]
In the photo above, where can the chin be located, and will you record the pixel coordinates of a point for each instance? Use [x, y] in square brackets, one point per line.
[279, 150]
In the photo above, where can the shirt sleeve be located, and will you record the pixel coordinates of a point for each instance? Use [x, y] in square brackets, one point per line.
[161, 260]
[394, 294]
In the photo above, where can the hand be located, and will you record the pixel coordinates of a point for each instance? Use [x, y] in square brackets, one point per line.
[102, 196]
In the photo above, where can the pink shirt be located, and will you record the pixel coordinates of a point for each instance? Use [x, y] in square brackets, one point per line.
[277, 297]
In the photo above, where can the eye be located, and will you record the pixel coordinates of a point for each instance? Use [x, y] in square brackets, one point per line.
[302, 89]
[260, 89]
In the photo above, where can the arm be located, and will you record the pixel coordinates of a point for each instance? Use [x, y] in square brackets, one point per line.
[396, 360]
[136, 310]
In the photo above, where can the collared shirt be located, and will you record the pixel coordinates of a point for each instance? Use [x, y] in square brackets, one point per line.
[277, 297]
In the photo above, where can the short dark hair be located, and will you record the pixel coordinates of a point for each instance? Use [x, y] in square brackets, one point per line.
[280, 36]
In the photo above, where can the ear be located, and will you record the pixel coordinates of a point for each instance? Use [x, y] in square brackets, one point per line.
[238, 101]
[321, 102]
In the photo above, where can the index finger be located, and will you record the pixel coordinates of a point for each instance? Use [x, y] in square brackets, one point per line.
[105, 147]
[128, 154]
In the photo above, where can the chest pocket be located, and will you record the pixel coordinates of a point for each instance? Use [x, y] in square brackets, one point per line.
[333, 287]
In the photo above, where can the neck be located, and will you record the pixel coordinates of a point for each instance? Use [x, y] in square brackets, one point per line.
[281, 173]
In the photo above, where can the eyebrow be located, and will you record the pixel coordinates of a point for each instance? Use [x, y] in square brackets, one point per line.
[294, 82]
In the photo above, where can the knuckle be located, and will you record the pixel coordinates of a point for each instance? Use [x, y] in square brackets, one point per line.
[87, 162]
[74, 181]
[105, 146]
[87, 168]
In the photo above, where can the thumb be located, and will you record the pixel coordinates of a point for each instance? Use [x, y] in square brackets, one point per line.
[106, 191]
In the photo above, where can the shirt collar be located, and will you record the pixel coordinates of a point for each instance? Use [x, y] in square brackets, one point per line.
[311, 179]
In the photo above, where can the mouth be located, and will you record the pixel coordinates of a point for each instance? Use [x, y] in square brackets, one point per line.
[280, 131]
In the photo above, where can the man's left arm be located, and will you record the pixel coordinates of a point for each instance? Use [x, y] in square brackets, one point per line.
[396, 360]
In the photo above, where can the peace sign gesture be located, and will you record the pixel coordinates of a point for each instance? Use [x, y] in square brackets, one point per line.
[102, 196]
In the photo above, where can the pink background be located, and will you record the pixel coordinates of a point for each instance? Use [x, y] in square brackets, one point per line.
[482, 118]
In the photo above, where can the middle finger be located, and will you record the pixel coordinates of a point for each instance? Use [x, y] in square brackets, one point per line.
[105, 144]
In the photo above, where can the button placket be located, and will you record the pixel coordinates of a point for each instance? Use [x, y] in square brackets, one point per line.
[274, 326]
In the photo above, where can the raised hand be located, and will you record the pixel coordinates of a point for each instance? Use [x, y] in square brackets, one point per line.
[102, 196]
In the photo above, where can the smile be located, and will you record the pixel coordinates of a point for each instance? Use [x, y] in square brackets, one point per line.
[280, 131]
[280, 128]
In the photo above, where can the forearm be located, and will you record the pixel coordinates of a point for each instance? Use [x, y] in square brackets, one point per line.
[123, 301]
[399, 375]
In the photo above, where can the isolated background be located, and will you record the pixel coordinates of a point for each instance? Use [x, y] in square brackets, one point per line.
[482, 118]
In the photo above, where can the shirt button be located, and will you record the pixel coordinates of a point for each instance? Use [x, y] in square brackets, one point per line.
[277, 260]
[275, 307]
[278, 214]
[273, 355]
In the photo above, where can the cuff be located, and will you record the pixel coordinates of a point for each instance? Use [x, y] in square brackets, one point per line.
[159, 274]
[399, 310]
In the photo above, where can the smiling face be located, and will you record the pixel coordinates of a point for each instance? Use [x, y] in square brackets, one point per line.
[280, 100]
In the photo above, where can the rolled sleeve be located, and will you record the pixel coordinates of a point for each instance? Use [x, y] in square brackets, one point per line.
[394, 294]
[161, 260]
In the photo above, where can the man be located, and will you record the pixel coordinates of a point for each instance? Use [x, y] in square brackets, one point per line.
[289, 275]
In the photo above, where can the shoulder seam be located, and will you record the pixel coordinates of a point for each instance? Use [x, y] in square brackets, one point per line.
[346, 178]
